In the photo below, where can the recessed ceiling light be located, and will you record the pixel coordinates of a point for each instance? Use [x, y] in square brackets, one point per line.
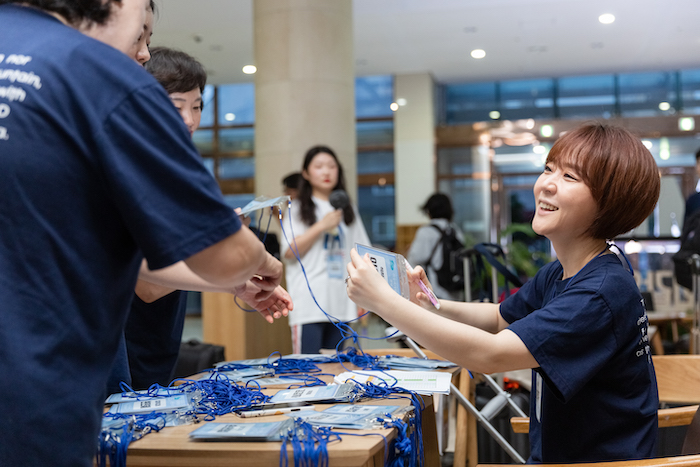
[394, 106]
[401, 101]
[494, 114]
[229, 117]
[606, 18]
[664, 106]
[249, 69]
[546, 131]
[478, 53]
[686, 124]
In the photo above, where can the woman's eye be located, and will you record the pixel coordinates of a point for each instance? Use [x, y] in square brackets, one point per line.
[569, 176]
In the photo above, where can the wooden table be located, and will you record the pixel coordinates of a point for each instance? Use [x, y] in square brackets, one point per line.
[171, 447]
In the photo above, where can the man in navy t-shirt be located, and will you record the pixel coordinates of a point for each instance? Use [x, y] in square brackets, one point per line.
[97, 172]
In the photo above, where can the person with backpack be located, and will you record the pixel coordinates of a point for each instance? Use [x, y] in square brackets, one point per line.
[436, 246]
[579, 324]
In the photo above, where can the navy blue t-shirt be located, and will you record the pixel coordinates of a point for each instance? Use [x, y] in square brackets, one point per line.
[594, 397]
[153, 334]
[97, 171]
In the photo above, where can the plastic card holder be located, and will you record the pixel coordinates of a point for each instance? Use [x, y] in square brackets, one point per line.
[264, 431]
[332, 392]
[349, 416]
[159, 404]
[140, 395]
[262, 202]
[275, 381]
[391, 266]
[243, 374]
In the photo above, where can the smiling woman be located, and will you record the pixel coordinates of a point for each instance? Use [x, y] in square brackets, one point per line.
[580, 323]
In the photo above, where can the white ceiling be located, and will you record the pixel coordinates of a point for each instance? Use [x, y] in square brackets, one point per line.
[522, 38]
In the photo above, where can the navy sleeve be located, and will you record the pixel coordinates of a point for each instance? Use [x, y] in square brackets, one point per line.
[150, 166]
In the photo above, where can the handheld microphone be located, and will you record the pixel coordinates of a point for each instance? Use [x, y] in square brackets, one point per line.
[339, 199]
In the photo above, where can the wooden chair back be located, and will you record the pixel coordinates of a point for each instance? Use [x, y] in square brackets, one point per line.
[678, 378]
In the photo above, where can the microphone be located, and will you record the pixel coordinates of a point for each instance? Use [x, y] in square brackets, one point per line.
[339, 199]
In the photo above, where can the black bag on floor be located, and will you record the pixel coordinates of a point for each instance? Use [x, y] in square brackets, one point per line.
[196, 356]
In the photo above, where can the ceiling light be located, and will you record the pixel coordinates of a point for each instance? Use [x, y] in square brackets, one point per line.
[494, 115]
[401, 101]
[647, 144]
[606, 18]
[478, 53]
[229, 117]
[546, 131]
[539, 149]
[664, 106]
[249, 69]
[394, 106]
[686, 124]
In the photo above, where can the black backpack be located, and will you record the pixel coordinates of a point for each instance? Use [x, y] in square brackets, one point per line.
[450, 276]
[690, 244]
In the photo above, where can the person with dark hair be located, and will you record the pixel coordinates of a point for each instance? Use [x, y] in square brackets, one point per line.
[426, 247]
[154, 328]
[323, 234]
[580, 323]
[290, 184]
[692, 204]
[87, 194]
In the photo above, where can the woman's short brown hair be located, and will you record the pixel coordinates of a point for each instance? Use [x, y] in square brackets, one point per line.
[619, 170]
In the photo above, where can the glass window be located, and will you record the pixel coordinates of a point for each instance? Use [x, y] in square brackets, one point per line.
[208, 110]
[237, 167]
[471, 200]
[640, 94]
[373, 96]
[236, 139]
[204, 141]
[586, 96]
[376, 206]
[236, 104]
[379, 133]
[470, 102]
[239, 200]
[460, 161]
[532, 98]
[690, 91]
[375, 162]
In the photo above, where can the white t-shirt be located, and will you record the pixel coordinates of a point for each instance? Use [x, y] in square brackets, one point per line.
[325, 265]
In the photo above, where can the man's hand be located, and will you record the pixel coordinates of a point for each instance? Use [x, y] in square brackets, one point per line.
[271, 307]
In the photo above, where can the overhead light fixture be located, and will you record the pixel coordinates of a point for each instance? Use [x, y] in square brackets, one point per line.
[686, 124]
[606, 18]
[478, 54]
[546, 131]
[539, 149]
[664, 106]
[249, 69]
[664, 149]
[401, 101]
[647, 144]
[494, 115]
[394, 106]
[229, 117]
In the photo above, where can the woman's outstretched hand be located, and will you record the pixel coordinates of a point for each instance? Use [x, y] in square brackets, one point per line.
[365, 286]
[417, 295]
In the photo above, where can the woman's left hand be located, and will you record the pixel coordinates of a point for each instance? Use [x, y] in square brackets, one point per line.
[364, 284]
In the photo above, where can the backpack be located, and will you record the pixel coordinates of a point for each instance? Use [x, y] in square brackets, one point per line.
[690, 244]
[450, 276]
